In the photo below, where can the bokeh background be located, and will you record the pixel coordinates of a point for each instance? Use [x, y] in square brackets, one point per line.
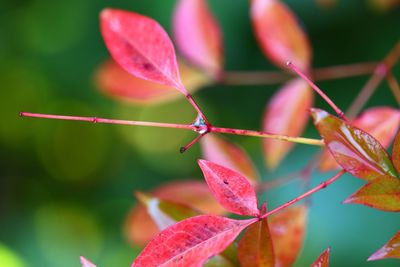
[66, 187]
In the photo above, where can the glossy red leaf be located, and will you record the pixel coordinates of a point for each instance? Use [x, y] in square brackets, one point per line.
[232, 190]
[390, 250]
[230, 155]
[380, 122]
[287, 113]
[381, 193]
[86, 263]
[198, 36]
[114, 81]
[355, 150]
[190, 242]
[396, 152]
[287, 230]
[323, 259]
[141, 46]
[279, 34]
[255, 247]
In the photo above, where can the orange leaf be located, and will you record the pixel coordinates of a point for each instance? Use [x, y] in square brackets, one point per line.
[279, 34]
[396, 152]
[287, 114]
[390, 250]
[323, 259]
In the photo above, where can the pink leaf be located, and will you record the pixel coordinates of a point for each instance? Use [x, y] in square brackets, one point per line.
[191, 242]
[197, 35]
[141, 46]
[230, 188]
[287, 113]
[390, 250]
[86, 263]
[322, 260]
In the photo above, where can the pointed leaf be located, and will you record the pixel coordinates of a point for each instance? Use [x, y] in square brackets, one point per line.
[255, 246]
[279, 34]
[382, 193]
[323, 259]
[114, 81]
[230, 155]
[86, 263]
[287, 113]
[355, 150]
[198, 36]
[396, 152]
[390, 250]
[380, 122]
[287, 230]
[141, 46]
[190, 242]
[232, 190]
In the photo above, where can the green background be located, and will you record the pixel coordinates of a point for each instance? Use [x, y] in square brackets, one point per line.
[66, 187]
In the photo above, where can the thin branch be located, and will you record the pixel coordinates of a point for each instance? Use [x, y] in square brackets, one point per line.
[394, 86]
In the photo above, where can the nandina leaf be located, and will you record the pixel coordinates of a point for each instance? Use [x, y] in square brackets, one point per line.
[140, 227]
[230, 155]
[322, 260]
[232, 190]
[279, 34]
[355, 150]
[163, 212]
[396, 152]
[114, 81]
[380, 122]
[286, 113]
[287, 230]
[190, 242]
[390, 250]
[255, 247]
[198, 36]
[381, 193]
[86, 263]
[141, 46]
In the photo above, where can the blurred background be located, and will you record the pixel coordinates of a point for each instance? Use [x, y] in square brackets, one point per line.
[66, 187]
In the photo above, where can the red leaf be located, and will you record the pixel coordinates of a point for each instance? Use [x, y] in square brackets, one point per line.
[380, 122]
[115, 82]
[390, 250]
[323, 259]
[255, 246]
[230, 188]
[229, 155]
[355, 150]
[190, 242]
[287, 230]
[381, 193]
[198, 36]
[287, 114]
[86, 263]
[279, 34]
[396, 152]
[141, 46]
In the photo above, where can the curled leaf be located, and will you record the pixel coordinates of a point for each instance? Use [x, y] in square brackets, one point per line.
[230, 155]
[322, 260]
[232, 190]
[390, 250]
[279, 34]
[396, 152]
[287, 230]
[382, 193]
[141, 46]
[355, 150]
[198, 36]
[287, 113]
[190, 242]
[255, 247]
[86, 263]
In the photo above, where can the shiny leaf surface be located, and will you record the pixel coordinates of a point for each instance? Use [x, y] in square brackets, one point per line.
[355, 150]
[287, 113]
[255, 247]
[390, 250]
[190, 242]
[322, 260]
[381, 193]
[232, 190]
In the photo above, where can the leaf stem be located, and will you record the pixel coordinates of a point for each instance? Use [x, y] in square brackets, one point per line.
[306, 194]
[318, 90]
[197, 108]
[394, 86]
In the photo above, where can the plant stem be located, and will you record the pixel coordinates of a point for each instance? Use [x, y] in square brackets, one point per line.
[196, 107]
[276, 77]
[318, 90]
[394, 86]
[306, 194]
